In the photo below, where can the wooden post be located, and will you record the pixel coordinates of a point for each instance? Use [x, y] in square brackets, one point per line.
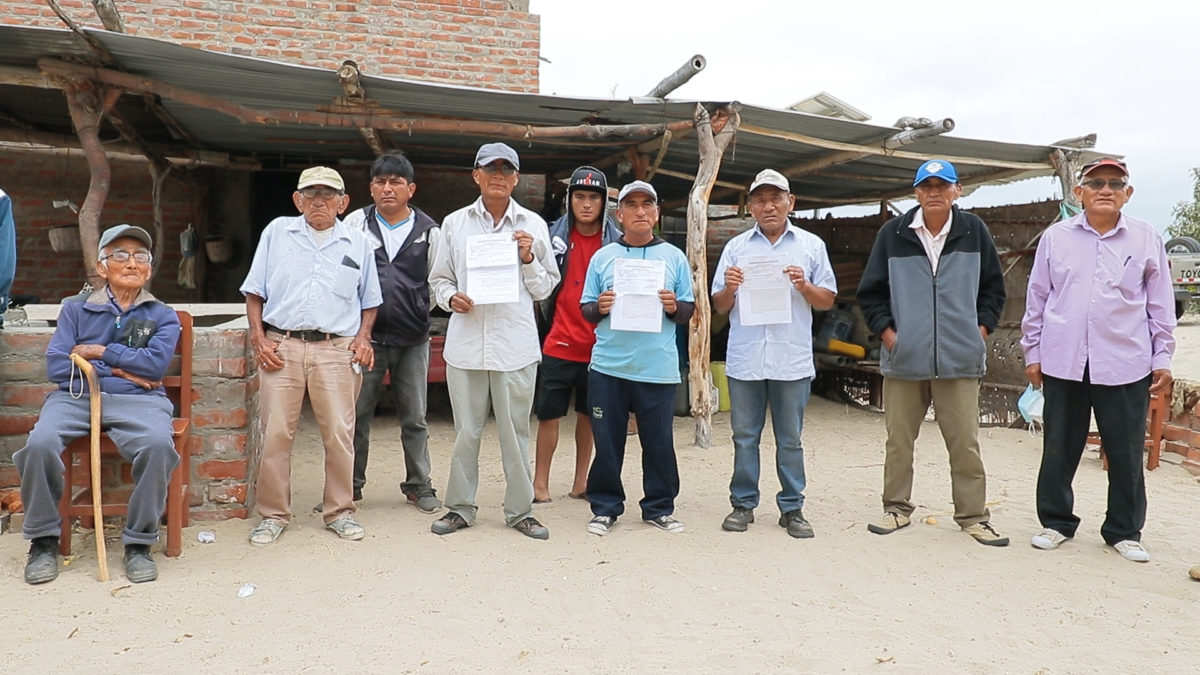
[712, 148]
[87, 104]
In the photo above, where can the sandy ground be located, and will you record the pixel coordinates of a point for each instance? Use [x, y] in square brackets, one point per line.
[486, 599]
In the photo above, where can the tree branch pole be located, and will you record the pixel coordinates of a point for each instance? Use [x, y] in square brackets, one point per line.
[87, 106]
[712, 148]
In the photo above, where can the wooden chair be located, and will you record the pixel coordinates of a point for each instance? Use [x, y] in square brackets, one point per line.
[1159, 405]
[78, 472]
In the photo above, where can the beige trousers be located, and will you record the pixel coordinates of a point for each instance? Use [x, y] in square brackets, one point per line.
[956, 406]
[323, 370]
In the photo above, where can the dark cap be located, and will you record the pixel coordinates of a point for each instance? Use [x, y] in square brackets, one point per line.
[1104, 161]
[588, 178]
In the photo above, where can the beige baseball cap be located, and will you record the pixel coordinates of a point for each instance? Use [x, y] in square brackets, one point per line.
[770, 177]
[321, 175]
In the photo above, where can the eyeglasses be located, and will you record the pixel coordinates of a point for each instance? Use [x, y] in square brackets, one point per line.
[390, 182]
[121, 255]
[322, 192]
[492, 169]
[1098, 184]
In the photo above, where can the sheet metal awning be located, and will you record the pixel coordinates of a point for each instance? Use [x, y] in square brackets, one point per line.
[32, 108]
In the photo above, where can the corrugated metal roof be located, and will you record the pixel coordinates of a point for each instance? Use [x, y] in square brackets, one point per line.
[774, 138]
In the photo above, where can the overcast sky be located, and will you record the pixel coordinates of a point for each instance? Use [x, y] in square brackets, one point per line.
[1017, 71]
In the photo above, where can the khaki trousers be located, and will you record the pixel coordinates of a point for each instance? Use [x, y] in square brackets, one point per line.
[510, 395]
[323, 370]
[956, 406]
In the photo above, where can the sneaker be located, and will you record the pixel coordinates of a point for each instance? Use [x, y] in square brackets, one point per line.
[42, 565]
[1048, 539]
[451, 522]
[666, 524]
[530, 527]
[348, 528]
[423, 497]
[601, 525]
[796, 525]
[1132, 550]
[739, 520]
[985, 535]
[139, 565]
[266, 532]
[889, 523]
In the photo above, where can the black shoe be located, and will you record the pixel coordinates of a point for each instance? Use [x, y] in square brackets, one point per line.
[739, 520]
[451, 522]
[530, 527]
[42, 566]
[796, 525]
[139, 566]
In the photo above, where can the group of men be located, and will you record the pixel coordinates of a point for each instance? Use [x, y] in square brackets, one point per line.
[333, 306]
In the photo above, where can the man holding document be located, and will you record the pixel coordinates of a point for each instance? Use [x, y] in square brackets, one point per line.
[637, 288]
[494, 262]
[773, 275]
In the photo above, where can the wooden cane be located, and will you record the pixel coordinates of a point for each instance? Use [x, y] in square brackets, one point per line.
[97, 506]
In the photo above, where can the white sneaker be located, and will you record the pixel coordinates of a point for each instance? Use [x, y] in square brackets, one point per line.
[666, 524]
[1132, 550]
[601, 525]
[1048, 539]
[266, 532]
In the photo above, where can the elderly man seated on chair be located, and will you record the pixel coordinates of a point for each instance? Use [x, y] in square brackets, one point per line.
[129, 337]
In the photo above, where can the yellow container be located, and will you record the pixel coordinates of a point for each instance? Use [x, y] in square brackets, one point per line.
[722, 383]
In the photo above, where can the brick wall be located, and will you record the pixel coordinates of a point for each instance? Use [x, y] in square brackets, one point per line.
[224, 400]
[484, 43]
[1181, 432]
[36, 179]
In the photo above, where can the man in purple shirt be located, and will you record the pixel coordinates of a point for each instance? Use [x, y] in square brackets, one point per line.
[1099, 315]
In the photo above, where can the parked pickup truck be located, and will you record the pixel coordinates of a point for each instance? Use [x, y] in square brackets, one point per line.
[1183, 257]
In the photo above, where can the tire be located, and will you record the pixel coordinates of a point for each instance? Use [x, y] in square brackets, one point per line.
[1183, 245]
[1180, 308]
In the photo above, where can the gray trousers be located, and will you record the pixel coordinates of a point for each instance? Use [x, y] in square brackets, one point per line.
[510, 395]
[140, 427]
[410, 371]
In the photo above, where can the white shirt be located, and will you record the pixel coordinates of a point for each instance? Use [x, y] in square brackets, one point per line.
[501, 337]
[933, 243]
[778, 351]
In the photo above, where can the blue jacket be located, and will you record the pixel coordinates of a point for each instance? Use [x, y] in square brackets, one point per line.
[140, 341]
[936, 316]
[8, 251]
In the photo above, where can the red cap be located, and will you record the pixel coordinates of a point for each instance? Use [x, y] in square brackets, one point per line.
[1104, 161]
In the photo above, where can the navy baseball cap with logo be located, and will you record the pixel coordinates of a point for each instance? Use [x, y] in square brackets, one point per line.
[588, 178]
[936, 168]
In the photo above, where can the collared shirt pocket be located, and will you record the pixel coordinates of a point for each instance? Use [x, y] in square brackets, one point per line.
[1132, 277]
[346, 278]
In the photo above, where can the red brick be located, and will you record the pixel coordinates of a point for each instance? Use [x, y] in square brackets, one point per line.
[233, 418]
[25, 395]
[228, 494]
[216, 469]
[1173, 432]
[225, 444]
[9, 476]
[218, 514]
[13, 424]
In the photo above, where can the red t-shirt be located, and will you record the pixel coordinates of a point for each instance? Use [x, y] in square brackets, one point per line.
[571, 336]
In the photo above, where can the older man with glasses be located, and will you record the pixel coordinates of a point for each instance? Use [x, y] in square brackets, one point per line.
[311, 298]
[129, 337]
[495, 261]
[1097, 335]
[933, 291]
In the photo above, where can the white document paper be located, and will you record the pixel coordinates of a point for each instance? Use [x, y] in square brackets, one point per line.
[637, 307]
[765, 296]
[493, 269]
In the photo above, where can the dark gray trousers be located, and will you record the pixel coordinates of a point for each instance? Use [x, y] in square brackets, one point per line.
[140, 427]
[410, 371]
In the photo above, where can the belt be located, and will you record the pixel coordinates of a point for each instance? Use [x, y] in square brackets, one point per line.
[302, 335]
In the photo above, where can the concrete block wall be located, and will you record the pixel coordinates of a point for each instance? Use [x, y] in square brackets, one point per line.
[484, 43]
[223, 410]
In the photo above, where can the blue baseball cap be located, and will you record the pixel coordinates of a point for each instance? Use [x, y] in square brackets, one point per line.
[936, 168]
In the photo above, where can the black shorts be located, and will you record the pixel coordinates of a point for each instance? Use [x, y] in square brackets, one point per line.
[556, 378]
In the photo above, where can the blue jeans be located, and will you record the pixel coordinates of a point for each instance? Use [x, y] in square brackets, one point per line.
[749, 400]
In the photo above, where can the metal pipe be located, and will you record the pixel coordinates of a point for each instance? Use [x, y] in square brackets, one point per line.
[678, 78]
[910, 136]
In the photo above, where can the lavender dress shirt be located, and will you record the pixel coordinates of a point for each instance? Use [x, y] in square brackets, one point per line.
[1101, 301]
